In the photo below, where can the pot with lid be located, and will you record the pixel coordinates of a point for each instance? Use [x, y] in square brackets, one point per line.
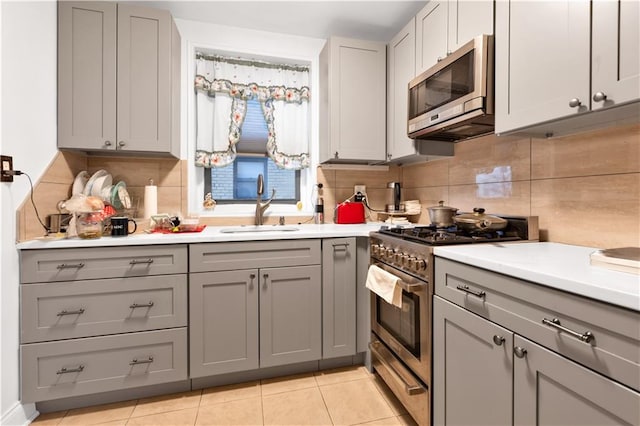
[479, 221]
[441, 216]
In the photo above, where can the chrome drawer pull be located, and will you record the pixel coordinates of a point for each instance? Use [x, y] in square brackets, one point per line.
[142, 305]
[65, 312]
[466, 289]
[65, 370]
[70, 265]
[586, 337]
[135, 361]
[137, 262]
[336, 246]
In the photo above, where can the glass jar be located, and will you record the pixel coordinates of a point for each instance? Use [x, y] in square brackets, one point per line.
[89, 225]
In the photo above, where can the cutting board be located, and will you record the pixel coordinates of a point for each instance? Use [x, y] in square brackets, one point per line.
[624, 259]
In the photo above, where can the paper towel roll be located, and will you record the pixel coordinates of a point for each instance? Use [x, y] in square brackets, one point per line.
[150, 200]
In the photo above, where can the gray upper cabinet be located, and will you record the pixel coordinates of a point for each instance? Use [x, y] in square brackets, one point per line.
[118, 79]
[352, 101]
[338, 297]
[556, 61]
[443, 26]
[402, 64]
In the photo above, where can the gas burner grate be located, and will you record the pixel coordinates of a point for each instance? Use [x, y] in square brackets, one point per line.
[432, 235]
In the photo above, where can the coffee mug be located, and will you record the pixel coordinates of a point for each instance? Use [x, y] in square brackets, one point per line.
[120, 226]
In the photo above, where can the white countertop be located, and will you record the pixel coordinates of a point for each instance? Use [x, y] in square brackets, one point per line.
[563, 267]
[210, 234]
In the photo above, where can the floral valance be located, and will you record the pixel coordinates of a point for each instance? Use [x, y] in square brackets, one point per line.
[221, 108]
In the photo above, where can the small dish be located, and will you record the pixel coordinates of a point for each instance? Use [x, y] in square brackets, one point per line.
[89, 186]
[80, 182]
[120, 198]
[100, 184]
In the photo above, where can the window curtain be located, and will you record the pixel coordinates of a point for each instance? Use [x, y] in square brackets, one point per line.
[223, 86]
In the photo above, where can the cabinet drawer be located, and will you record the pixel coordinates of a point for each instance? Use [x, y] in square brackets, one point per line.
[263, 254]
[38, 266]
[98, 364]
[522, 306]
[65, 310]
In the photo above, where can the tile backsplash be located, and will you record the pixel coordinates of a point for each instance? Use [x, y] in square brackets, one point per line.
[585, 188]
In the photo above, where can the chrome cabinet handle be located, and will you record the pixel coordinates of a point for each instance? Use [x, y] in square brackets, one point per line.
[498, 340]
[340, 246]
[121, 144]
[138, 262]
[520, 352]
[575, 102]
[440, 58]
[599, 97]
[107, 143]
[65, 312]
[137, 361]
[252, 276]
[586, 337]
[71, 266]
[466, 289]
[145, 305]
[65, 370]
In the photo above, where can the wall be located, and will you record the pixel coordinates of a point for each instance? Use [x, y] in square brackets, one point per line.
[28, 133]
[584, 188]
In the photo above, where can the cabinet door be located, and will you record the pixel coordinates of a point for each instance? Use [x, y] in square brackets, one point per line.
[223, 322]
[402, 65]
[357, 100]
[468, 19]
[86, 75]
[551, 390]
[144, 79]
[338, 297]
[431, 35]
[472, 365]
[616, 56]
[290, 315]
[542, 61]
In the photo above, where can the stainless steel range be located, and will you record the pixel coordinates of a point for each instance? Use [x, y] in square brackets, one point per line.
[401, 337]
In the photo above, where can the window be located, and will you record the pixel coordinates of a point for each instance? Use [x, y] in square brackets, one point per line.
[238, 181]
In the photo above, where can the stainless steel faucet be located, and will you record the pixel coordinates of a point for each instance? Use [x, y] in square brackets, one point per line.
[260, 206]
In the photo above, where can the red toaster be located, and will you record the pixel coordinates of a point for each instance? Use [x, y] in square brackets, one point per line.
[349, 213]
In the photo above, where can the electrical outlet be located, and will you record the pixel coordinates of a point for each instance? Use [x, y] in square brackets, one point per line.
[362, 189]
[7, 166]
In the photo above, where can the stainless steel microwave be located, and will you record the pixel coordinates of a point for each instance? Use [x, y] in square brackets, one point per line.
[453, 100]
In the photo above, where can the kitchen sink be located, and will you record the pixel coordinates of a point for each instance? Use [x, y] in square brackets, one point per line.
[259, 228]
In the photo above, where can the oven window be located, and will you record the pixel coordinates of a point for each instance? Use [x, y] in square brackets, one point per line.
[447, 85]
[402, 323]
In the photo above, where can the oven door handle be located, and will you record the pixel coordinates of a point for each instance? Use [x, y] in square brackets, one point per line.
[385, 357]
[408, 287]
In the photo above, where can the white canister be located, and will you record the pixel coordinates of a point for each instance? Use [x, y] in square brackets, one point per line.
[150, 200]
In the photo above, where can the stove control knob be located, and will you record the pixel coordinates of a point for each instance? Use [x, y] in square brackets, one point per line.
[405, 260]
[375, 249]
[411, 262]
[389, 254]
[421, 265]
[398, 257]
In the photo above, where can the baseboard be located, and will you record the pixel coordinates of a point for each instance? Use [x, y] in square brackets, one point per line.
[19, 415]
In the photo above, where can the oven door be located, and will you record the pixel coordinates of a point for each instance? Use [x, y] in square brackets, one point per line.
[406, 331]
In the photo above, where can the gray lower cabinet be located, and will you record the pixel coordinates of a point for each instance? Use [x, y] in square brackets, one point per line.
[473, 381]
[101, 319]
[290, 315]
[223, 322]
[242, 319]
[549, 389]
[338, 297]
[507, 351]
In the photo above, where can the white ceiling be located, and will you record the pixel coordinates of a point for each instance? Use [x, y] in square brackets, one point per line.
[368, 20]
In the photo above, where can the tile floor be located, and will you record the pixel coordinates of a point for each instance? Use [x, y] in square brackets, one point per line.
[344, 396]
